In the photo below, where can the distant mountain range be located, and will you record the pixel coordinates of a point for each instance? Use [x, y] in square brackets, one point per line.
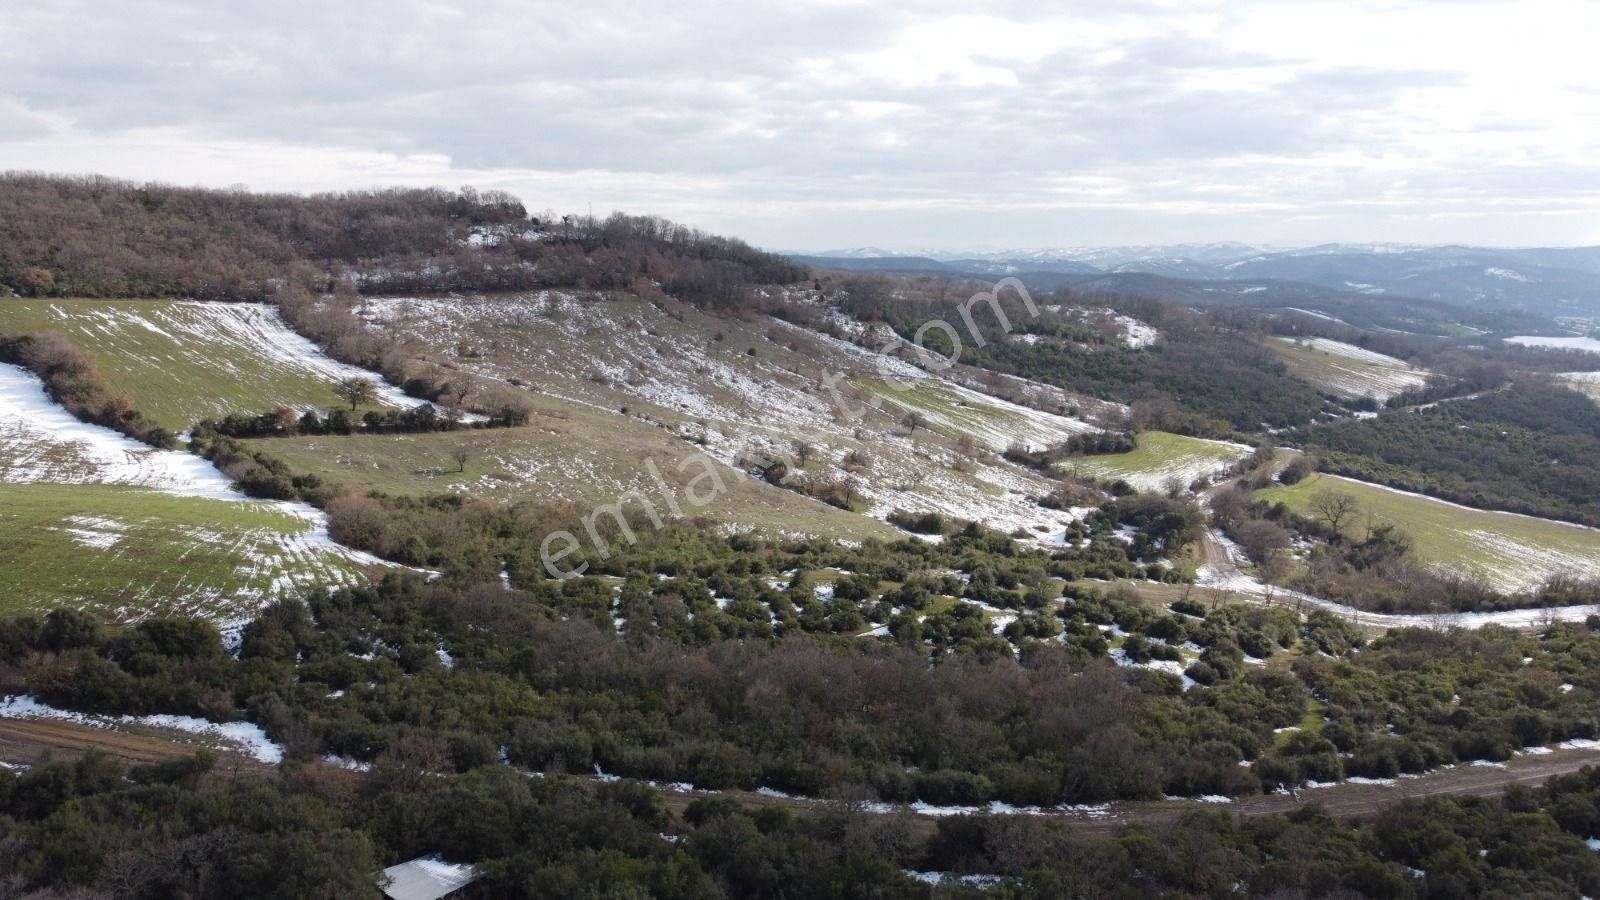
[1545, 281]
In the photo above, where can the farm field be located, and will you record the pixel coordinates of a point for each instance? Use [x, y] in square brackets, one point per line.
[953, 410]
[1509, 551]
[561, 462]
[1586, 344]
[1160, 459]
[180, 362]
[127, 553]
[1587, 383]
[1345, 369]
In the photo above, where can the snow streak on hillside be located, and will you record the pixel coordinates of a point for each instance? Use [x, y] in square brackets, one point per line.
[742, 389]
[255, 551]
[40, 442]
[1348, 370]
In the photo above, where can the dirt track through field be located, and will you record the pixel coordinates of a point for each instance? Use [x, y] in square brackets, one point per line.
[31, 741]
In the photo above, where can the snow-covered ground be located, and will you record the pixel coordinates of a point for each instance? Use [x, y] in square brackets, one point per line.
[697, 374]
[42, 442]
[1587, 344]
[995, 423]
[1585, 382]
[1357, 372]
[1133, 333]
[244, 737]
[1161, 461]
[1498, 554]
[1235, 581]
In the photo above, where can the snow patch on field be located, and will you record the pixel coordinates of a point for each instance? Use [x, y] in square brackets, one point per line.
[1311, 312]
[95, 532]
[245, 737]
[1355, 371]
[1586, 344]
[40, 442]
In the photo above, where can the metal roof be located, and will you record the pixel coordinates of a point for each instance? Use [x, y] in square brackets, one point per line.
[427, 878]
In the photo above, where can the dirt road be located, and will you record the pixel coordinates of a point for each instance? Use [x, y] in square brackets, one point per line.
[32, 741]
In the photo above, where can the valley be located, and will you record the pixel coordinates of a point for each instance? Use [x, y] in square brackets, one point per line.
[616, 516]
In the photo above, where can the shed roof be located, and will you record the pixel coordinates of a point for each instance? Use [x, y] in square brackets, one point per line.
[427, 878]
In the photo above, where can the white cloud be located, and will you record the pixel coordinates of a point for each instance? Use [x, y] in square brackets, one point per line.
[827, 124]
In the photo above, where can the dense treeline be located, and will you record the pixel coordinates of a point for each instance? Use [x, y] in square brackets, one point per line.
[1212, 379]
[693, 661]
[1530, 448]
[78, 829]
[285, 422]
[98, 237]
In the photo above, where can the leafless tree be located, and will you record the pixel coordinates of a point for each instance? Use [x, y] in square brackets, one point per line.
[1335, 508]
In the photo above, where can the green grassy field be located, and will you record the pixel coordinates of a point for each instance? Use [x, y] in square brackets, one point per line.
[1509, 551]
[182, 362]
[1345, 370]
[952, 411]
[125, 553]
[585, 459]
[1159, 459]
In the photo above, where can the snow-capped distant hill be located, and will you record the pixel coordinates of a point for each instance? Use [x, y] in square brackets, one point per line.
[1544, 281]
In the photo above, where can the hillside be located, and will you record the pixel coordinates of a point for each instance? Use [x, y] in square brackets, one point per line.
[181, 362]
[1049, 566]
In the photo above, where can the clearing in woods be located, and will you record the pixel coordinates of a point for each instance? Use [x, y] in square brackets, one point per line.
[1511, 552]
[1160, 459]
[1345, 369]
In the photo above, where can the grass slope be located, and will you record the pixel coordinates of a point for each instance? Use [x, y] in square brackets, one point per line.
[586, 458]
[1160, 458]
[624, 376]
[127, 553]
[953, 410]
[1346, 370]
[181, 362]
[1509, 551]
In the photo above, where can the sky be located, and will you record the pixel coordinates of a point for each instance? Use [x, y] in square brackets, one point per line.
[819, 124]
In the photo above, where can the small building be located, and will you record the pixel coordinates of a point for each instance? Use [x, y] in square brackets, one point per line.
[426, 878]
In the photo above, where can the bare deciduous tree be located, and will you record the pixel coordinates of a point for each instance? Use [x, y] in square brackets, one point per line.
[464, 453]
[1335, 508]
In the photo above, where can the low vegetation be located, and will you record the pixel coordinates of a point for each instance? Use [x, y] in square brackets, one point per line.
[1526, 449]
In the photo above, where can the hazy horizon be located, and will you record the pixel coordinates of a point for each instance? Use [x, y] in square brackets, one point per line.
[835, 124]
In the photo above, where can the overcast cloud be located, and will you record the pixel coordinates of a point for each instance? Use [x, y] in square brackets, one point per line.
[832, 124]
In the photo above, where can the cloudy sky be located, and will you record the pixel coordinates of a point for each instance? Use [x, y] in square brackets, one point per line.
[821, 123]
